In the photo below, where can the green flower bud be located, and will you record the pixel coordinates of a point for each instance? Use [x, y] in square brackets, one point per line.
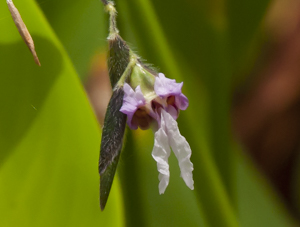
[140, 76]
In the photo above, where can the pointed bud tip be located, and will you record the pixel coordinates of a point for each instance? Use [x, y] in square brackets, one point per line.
[102, 204]
[103, 193]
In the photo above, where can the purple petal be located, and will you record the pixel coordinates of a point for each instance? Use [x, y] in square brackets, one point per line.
[131, 102]
[165, 87]
[129, 110]
[181, 101]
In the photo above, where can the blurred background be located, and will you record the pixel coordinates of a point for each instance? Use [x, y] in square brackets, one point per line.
[240, 64]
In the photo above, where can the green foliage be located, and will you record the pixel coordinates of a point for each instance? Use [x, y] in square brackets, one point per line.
[49, 137]
[80, 27]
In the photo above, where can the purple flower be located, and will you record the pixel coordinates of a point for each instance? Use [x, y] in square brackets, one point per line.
[171, 91]
[132, 101]
[162, 108]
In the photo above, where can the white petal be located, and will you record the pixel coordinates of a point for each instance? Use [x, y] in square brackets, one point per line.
[161, 152]
[180, 147]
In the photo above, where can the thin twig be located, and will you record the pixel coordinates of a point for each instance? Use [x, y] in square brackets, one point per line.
[23, 30]
[113, 30]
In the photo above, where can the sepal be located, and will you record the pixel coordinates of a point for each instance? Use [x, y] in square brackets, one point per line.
[111, 143]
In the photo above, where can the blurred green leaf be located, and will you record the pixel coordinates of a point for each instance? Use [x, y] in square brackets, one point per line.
[49, 137]
[258, 204]
[244, 22]
[80, 27]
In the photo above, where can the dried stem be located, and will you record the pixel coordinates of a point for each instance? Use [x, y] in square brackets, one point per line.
[23, 30]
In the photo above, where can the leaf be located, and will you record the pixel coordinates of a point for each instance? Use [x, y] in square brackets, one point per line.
[244, 22]
[257, 203]
[49, 137]
[80, 26]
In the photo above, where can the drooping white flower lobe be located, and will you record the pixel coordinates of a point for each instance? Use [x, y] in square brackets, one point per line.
[161, 152]
[180, 147]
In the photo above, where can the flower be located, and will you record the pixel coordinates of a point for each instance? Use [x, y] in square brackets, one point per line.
[131, 103]
[169, 89]
[161, 110]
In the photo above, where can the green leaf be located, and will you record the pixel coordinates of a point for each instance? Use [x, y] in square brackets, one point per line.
[244, 23]
[257, 203]
[49, 137]
[81, 28]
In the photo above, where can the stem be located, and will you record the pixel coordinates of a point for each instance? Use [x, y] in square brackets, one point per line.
[127, 72]
[110, 8]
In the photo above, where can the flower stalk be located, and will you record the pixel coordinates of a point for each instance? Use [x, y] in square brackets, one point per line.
[147, 99]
